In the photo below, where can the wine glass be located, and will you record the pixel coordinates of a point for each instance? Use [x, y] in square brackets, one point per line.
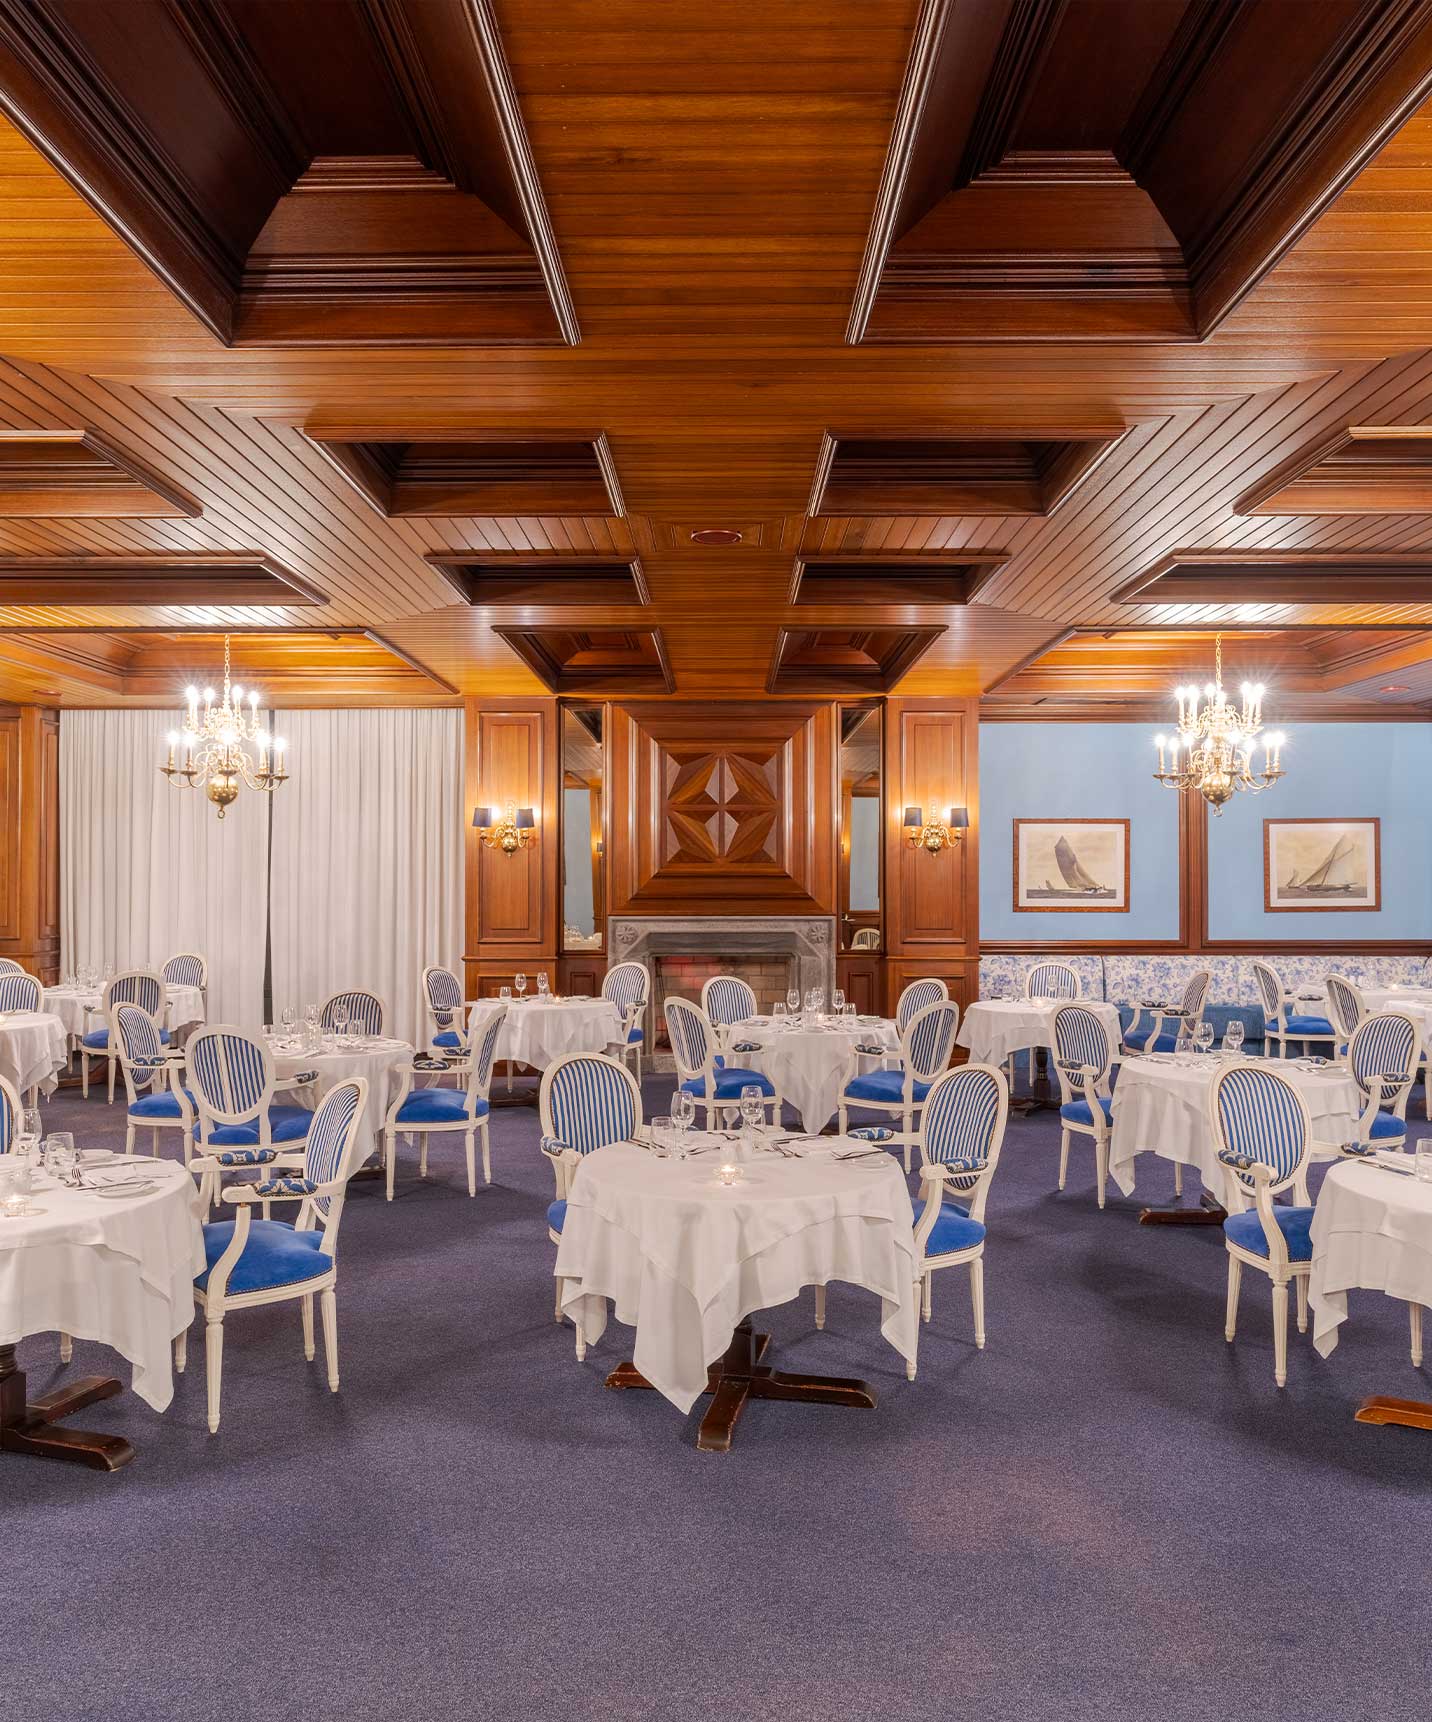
[793, 1001]
[837, 1000]
[340, 1021]
[541, 983]
[1203, 1037]
[683, 1115]
[286, 1021]
[520, 982]
[1233, 1037]
[752, 1106]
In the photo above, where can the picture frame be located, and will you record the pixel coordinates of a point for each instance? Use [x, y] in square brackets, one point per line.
[1322, 866]
[1071, 866]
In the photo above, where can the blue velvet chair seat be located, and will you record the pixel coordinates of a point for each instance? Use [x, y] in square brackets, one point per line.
[635, 1037]
[439, 1106]
[1246, 1230]
[165, 1104]
[1077, 1111]
[728, 1082]
[286, 1124]
[97, 1040]
[1387, 1124]
[1299, 1025]
[448, 1037]
[1166, 1042]
[953, 1230]
[556, 1215]
[887, 1085]
[274, 1255]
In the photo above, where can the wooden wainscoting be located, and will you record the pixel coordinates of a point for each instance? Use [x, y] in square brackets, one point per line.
[931, 761]
[860, 975]
[513, 901]
[30, 841]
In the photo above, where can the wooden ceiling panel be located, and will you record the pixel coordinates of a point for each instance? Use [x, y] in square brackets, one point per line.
[526, 581]
[594, 661]
[1365, 469]
[877, 580]
[203, 578]
[846, 661]
[1283, 577]
[58, 473]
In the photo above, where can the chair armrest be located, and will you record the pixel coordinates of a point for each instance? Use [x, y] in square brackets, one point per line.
[279, 1190]
[227, 1159]
[1244, 1163]
[745, 1046]
[300, 1079]
[554, 1147]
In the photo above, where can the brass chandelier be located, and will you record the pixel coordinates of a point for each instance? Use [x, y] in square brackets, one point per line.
[1213, 749]
[227, 748]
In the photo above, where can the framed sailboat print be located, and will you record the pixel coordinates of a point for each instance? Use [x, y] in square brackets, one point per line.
[1322, 864]
[1063, 864]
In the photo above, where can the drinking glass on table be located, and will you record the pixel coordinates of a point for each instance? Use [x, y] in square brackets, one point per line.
[340, 1021]
[520, 982]
[1203, 1037]
[780, 1011]
[837, 1000]
[683, 1115]
[541, 983]
[1422, 1159]
[60, 1155]
[505, 994]
[659, 1136]
[1233, 1037]
[752, 1107]
[793, 1001]
[286, 1018]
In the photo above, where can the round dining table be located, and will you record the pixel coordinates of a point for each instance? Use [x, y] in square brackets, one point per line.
[378, 1058]
[808, 1060]
[992, 1029]
[685, 1259]
[538, 1031]
[33, 1050]
[115, 1263]
[79, 1008]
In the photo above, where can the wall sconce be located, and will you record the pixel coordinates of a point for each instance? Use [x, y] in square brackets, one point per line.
[935, 836]
[513, 831]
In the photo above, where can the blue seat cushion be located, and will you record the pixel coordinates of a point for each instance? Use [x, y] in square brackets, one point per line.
[730, 1079]
[1166, 1042]
[953, 1230]
[636, 1036]
[97, 1040]
[439, 1106]
[448, 1037]
[556, 1215]
[886, 1085]
[274, 1255]
[1077, 1111]
[286, 1124]
[1299, 1025]
[1246, 1230]
[165, 1104]
[1388, 1124]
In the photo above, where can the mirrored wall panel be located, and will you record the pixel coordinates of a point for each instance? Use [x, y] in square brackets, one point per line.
[860, 828]
[583, 880]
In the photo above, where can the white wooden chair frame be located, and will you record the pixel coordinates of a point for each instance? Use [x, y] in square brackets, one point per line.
[705, 1074]
[722, 1030]
[202, 983]
[1286, 1000]
[477, 1066]
[1385, 1091]
[458, 1012]
[12, 979]
[140, 1080]
[907, 1106]
[211, 1116]
[1087, 1083]
[634, 1013]
[102, 1012]
[1187, 1016]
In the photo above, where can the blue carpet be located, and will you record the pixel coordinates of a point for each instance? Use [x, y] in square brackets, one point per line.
[1107, 1514]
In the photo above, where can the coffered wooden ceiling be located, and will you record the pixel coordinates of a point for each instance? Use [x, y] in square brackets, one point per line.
[1121, 330]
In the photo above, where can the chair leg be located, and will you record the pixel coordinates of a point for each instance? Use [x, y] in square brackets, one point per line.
[129, 1139]
[67, 1348]
[1280, 1332]
[328, 1303]
[213, 1367]
[423, 1154]
[181, 1351]
[111, 1081]
[922, 1284]
[1414, 1317]
[1101, 1166]
[1178, 1177]
[977, 1299]
[486, 1154]
[1063, 1157]
[843, 1121]
[927, 1295]
[306, 1309]
[908, 1119]
[470, 1148]
[154, 1144]
[1302, 1287]
[1235, 1285]
[84, 1076]
[820, 1306]
[390, 1155]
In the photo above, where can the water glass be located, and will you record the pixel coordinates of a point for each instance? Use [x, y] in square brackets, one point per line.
[793, 1000]
[1233, 1038]
[505, 994]
[59, 1150]
[1203, 1037]
[1422, 1159]
[541, 983]
[340, 1021]
[837, 1000]
[780, 1011]
[752, 1106]
[285, 1016]
[659, 1137]
[683, 1116]
[520, 982]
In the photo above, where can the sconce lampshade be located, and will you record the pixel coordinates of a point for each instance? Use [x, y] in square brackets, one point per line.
[526, 819]
[959, 818]
[482, 817]
[914, 816]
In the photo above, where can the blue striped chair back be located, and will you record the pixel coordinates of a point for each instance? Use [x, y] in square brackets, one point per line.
[188, 969]
[690, 1035]
[1259, 1114]
[19, 992]
[1345, 1002]
[1195, 994]
[625, 985]
[918, 996]
[484, 1053]
[136, 1033]
[8, 966]
[333, 1127]
[727, 999]
[1270, 992]
[365, 1011]
[961, 1116]
[444, 994]
[230, 1072]
[589, 1100]
[1080, 1037]
[1384, 1044]
[137, 986]
[9, 1115]
[1051, 981]
[930, 1039]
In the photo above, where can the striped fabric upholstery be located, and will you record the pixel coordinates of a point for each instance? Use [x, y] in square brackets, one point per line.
[9, 1115]
[727, 999]
[931, 1039]
[1259, 1117]
[690, 1036]
[1345, 1002]
[1051, 981]
[365, 1010]
[8, 966]
[1270, 991]
[328, 1137]
[230, 1072]
[591, 1102]
[140, 1043]
[1195, 993]
[959, 1122]
[1382, 1045]
[918, 996]
[137, 987]
[19, 992]
[185, 970]
[625, 985]
[444, 996]
[1081, 1038]
[486, 1051]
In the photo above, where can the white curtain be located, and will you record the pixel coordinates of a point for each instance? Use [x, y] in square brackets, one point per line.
[148, 869]
[367, 857]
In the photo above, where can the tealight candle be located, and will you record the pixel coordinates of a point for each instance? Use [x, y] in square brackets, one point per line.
[14, 1206]
[728, 1174]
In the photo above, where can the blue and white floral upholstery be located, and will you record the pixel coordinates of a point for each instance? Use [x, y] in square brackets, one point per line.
[443, 1001]
[702, 1074]
[1283, 1022]
[423, 1111]
[1346, 1008]
[187, 969]
[961, 1132]
[1261, 1125]
[143, 987]
[254, 1262]
[918, 996]
[1383, 1056]
[1083, 1057]
[154, 1095]
[366, 1012]
[232, 1080]
[587, 1101]
[19, 992]
[1003, 976]
[1160, 1032]
[627, 986]
[10, 1115]
[925, 1049]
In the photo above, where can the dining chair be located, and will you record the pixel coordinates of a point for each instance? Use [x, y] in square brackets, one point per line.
[1346, 1008]
[364, 1008]
[11, 1111]
[425, 1111]
[233, 1083]
[21, 992]
[256, 1262]
[8, 966]
[918, 996]
[627, 986]
[1382, 1058]
[143, 987]
[154, 1096]
[866, 939]
[1263, 1132]
[961, 1133]
[1083, 1058]
[727, 1000]
[1052, 981]
[587, 1101]
[186, 969]
[703, 1073]
[925, 1050]
[443, 1002]
[1280, 1023]
[1167, 1023]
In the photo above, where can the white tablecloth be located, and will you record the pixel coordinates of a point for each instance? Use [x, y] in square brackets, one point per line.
[994, 1028]
[118, 1271]
[684, 1260]
[78, 1007]
[33, 1050]
[1413, 1000]
[1371, 1229]
[380, 1061]
[538, 1034]
[806, 1064]
[1161, 1107]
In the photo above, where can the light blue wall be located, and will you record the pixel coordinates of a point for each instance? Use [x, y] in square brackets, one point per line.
[1334, 771]
[1076, 770]
[864, 852]
[577, 910]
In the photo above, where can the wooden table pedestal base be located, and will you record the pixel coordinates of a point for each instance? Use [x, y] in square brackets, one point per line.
[741, 1375]
[29, 1428]
[1410, 1413]
[1207, 1213]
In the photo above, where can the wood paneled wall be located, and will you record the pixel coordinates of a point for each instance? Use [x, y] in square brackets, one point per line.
[30, 838]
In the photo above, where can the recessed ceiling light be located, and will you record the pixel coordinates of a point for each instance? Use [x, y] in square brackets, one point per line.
[716, 535]
[1395, 688]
